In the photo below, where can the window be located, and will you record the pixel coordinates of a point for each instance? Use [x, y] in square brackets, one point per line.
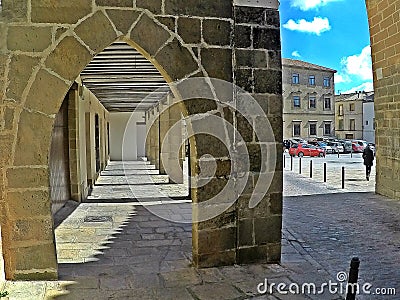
[327, 103]
[352, 107]
[341, 110]
[327, 128]
[327, 82]
[313, 102]
[341, 124]
[366, 123]
[295, 78]
[296, 129]
[313, 129]
[373, 123]
[296, 101]
[311, 80]
[352, 124]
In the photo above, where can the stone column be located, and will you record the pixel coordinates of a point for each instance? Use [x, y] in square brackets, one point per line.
[103, 156]
[89, 139]
[155, 138]
[241, 233]
[171, 159]
[73, 139]
[384, 30]
[176, 145]
[148, 136]
[164, 144]
[152, 137]
[258, 71]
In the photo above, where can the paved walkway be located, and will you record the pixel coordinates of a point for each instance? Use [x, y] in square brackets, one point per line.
[355, 180]
[113, 247]
[333, 224]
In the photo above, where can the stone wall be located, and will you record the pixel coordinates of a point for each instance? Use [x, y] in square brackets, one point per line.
[384, 22]
[45, 45]
[258, 70]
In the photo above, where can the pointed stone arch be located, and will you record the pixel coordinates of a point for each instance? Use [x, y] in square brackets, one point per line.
[182, 41]
[28, 238]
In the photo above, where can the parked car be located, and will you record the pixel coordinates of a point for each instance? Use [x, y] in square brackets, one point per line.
[305, 150]
[361, 143]
[322, 145]
[298, 140]
[336, 146]
[346, 145]
[357, 147]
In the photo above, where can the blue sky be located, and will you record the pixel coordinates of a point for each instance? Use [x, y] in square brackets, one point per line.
[330, 33]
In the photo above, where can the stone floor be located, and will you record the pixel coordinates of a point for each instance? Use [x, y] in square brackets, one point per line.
[132, 240]
[355, 180]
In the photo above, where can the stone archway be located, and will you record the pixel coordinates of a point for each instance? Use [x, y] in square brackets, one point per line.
[27, 232]
[47, 46]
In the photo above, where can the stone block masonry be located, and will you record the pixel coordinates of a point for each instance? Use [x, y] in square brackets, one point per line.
[43, 48]
[383, 17]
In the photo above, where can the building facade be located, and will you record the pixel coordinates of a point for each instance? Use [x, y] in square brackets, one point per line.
[369, 121]
[308, 100]
[354, 116]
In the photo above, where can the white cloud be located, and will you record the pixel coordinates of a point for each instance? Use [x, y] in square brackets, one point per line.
[359, 65]
[310, 4]
[316, 26]
[342, 78]
[356, 68]
[366, 86]
[296, 54]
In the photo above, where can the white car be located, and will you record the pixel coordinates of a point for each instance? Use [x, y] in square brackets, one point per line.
[337, 147]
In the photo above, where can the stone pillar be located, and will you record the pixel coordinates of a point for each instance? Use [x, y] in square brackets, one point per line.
[25, 207]
[103, 156]
[241, 233]
[171, 159]
[151, 136]
[73, 140]
[176, 145]
[258, 71]
[384, 28]
[164, 145]
[148, 136]
[155, 138]
[89, 137]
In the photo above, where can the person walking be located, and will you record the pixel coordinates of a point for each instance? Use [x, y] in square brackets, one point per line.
[368, 156]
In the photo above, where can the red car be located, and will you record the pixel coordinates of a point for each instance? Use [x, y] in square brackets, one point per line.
[306, 150]
[357, 147]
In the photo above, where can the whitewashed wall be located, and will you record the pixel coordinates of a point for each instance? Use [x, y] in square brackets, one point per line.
[368, 116]
[134, 139]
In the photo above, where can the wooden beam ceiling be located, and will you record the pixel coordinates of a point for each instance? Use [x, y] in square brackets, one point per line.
[124, 80]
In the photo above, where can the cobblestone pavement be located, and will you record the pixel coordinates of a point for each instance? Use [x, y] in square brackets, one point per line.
[333, 225]
[355, 180]
[113, 247]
